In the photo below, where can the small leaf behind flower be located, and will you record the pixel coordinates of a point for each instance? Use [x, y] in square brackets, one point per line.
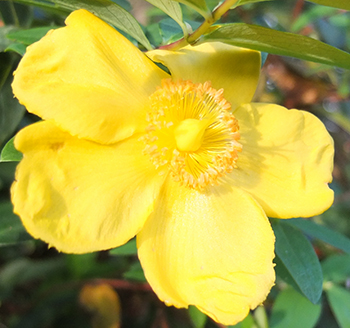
[31, 35]
[279, 43]
[300, 260]
[9, 153]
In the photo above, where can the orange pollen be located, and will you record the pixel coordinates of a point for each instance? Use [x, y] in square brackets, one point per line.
[192, 132]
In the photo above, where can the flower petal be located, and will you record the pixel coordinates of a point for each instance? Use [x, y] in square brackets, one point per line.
[234, 69]
[89, 78]
[213, 250]
[80, 196]
[286, 162]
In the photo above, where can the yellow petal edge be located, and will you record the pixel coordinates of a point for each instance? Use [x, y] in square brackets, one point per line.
[89, 79]
[213, 250]
[286, 161]
[79, 196]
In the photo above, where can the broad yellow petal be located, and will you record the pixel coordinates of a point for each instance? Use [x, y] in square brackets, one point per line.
[234, 69]
[286, 161]
[213, 250]
[80, 196]
[88, 78]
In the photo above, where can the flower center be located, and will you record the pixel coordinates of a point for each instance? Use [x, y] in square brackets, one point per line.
[192, 132]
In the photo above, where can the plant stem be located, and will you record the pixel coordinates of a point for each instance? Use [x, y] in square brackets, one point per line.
[203, 28]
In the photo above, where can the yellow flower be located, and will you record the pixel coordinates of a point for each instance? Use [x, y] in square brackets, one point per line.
[183, 161]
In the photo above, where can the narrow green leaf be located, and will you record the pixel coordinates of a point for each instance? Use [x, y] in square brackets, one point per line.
[279, 43]
[293, 310]
[341, 4]
[31, 35]
[19, 48]
[336, 268]
[128, 249]
[198, 318]
[198, 5]
[300, 259]
[107, 10]
[9, 153]
[339, 300]
[11, 227]
[322, 233]
[172, 9]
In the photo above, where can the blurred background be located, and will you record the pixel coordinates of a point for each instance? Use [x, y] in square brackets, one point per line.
[41, 288]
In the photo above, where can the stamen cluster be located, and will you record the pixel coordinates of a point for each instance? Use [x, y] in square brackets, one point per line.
[171, 104]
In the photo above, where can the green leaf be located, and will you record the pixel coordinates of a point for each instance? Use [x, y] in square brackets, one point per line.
[339, 300]
[198, 5]
[283, 273]
[279, 43]
[341, 4]
[107, 10]
[323, 233]
[19, 48]
[336, 268]
[128, 249]
[198, 318]
[300, 259]
[293, 310]
[172, 9]
[9, 153]
[31, 35]
[11, 227]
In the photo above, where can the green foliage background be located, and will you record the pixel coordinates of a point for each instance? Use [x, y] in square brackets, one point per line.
[41, 288]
